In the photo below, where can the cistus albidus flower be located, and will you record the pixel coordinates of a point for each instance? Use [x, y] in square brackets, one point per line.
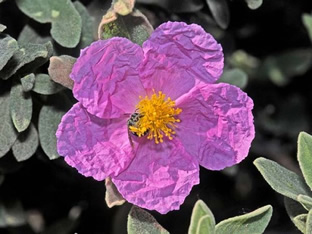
[149, 116]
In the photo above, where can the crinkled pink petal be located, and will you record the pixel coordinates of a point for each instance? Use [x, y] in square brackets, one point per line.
[216, 125]
[106, 77]
[177, 56]
[159, 177]
[95, 147]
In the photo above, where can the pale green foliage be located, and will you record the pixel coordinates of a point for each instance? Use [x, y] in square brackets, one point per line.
[65, 20]
[254, 4]
[220, 12]
[305, 156]
[307, 21]
[8, 46]
[235, 77]
[44, 85]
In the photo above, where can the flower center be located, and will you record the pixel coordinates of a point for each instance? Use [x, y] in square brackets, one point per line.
[156, 117]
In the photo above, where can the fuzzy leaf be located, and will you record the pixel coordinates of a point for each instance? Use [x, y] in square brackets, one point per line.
[2, 28]
[65, 20]
[253, 222]
[134, 26]
[176, 6]
[296, 213]
[26, 144]
[21, 107]
[32, 55]
[201, 210]
[29, 35]
[220, 12]
[305, 156]
[49, 119]
[8, 134]
[307, 21]
[8, 46]
[60, 68]
[309, 223]
[87, 25]
[281, 179]
[141, 222]
[235, 77]
[254, 4]
[305, 201]
[112, 196]
[206, 225]
[44, 85]
[28, 82]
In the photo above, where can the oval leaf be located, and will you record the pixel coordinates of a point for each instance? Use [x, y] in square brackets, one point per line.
[49, 119]
[8, 46]
[26, 144]
[8, 134]
[28, 82]
[305, 156]
[200, 210]
[60, 68]
[44, 85]
[206, 225]
[309, 222]
[305, 201]
[141, 222]
[253, 222]
[254, 4]
[235, 77]
[65, 20]
[220, 12]
[20, 107]
[281, 179]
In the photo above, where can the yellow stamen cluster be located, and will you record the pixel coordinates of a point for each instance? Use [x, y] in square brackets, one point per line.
[158, 117]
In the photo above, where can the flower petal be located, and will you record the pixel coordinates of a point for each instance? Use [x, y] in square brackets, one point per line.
[95, 147]
[106, 79]
[216, 125]
[176, 54]
[159, 177]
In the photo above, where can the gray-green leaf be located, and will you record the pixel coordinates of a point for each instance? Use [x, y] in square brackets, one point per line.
[141, 222]
[220, 12]
[305, 201]
[8, 46]
[11, 214]
[44, 85]
[309, 223]
[253, 222]
[254, 4]
[112, 196]
[29, 35]
[26, 144]
[296, 213]
[205, 225]
[8, 134]
[2, 27]
[28, 82]
[87, 25]
[235, 77]
[65, 20]
[20, 107]
[201, 210]
[281, 179]
[33, 55]
[307, 21]
[305, 156]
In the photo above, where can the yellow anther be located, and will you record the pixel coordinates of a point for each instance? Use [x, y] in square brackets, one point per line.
[158, 117]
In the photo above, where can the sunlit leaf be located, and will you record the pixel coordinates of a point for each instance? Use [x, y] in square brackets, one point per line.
[281, 179]
[253, 222]
[65, 20]
[220, 12]
[26, 144]
[200, 211]
[123, 7]
[141, 222]
[2, 27]
[305, 156]
[8, 46]
[60, 68]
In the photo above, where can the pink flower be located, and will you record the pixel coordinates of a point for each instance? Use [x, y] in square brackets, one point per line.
[148, 117]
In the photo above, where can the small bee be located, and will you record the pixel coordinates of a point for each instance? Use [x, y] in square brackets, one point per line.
[133, 121]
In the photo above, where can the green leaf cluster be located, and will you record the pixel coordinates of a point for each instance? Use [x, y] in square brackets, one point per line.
[203, 221]
[295, 188]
